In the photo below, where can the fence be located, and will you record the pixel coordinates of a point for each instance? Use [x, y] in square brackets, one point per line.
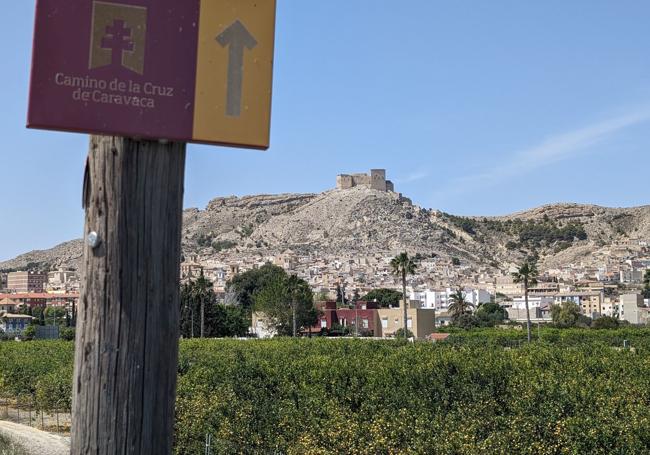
[24, 411]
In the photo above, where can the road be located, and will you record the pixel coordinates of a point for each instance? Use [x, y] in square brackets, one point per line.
[36, 442]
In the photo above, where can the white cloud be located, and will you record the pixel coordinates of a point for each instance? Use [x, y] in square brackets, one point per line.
[412, 177]
[552, 150]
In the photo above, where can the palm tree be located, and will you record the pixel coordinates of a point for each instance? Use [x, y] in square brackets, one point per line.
[527, 274]
[201, 291]
[402, 265]
[293, 287]
[458, 304]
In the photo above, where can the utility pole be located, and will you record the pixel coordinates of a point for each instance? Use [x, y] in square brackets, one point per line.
[128, 322]
[202, 296]
[202, 316]
[128, 314]
[293, 310]
[356, 319]
[192, 317]
[434, 317]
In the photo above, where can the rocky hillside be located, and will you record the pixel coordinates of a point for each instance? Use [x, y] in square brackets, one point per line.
[361, 221]
[66, 254]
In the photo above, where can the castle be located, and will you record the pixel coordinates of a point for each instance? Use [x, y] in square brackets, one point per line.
[376, 181]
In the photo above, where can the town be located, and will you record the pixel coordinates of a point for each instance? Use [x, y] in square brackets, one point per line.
[262, 227]
[613, 284]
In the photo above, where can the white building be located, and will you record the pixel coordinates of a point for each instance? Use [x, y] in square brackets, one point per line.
[441, 299]
[261, 326]
[519, 303]
[631, 276]
[632, 309]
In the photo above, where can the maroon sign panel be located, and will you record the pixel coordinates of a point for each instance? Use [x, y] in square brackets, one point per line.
[125, 68]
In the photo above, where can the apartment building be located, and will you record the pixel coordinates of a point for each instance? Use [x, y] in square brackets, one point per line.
[41, 299]
[632, 276]
[632, 309]
[59, 279]
[506, 285]
[590, 302]
[537, 314]
[420, 321]
[8, 305]
[14, 324]
[440, 299]
[26, 281]
[361, 319]
[539, 301]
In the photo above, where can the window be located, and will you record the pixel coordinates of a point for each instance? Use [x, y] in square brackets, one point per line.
[409, 323]
[323, 323]
[364, 323]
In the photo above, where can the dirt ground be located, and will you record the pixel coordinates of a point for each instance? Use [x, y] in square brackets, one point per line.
[36, 442]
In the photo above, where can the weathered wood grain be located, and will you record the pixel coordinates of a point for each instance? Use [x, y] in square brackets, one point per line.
[128, 317]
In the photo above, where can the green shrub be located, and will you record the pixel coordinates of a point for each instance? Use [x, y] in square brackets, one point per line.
[605, 322]
[67, 333]
[222, 245]
[571, 392]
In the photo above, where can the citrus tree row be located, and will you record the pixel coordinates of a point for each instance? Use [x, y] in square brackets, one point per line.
[572, 392]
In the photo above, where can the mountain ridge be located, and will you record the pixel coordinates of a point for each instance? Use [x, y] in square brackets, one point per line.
[362, 221]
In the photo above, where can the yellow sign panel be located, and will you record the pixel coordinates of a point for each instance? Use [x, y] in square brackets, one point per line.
[235, 72]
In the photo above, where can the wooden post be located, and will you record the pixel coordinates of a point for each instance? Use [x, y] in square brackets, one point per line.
[128, 317]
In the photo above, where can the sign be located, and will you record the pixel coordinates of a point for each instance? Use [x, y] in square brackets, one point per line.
[189, 71]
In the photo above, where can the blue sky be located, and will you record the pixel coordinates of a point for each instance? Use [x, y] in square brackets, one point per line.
[473, 107]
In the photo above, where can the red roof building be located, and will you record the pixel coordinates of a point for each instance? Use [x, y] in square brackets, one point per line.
[361, 319]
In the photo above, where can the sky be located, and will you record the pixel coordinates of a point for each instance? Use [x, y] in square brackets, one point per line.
[473, 107]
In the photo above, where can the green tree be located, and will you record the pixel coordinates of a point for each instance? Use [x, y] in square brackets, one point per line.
[527, 274]
[459, 305]
[195, 295]
[605, 322]
[226, 321]
[567, 314]
[384, 297]
[338, 330]
[402, 266]
[340, 296]
[490, 314]
[55, 316]
[67, 334]
[39, 314]
[248, 283]
[646, 284]
[29, 333]
[467, 321]
[288, 302]
[399, 333]
[218, 320]
[199, 293]
[322, 296]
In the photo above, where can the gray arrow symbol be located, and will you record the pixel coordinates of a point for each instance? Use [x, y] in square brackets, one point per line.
[237, 37]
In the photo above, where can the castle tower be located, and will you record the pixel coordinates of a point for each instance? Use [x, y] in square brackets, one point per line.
[378, 179]
[344, 182]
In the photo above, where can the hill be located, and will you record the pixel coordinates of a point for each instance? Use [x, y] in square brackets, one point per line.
[362, 222]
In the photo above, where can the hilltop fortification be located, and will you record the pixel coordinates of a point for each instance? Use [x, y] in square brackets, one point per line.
[375, 181]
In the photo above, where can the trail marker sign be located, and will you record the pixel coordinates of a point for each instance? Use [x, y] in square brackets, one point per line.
[189, 71]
